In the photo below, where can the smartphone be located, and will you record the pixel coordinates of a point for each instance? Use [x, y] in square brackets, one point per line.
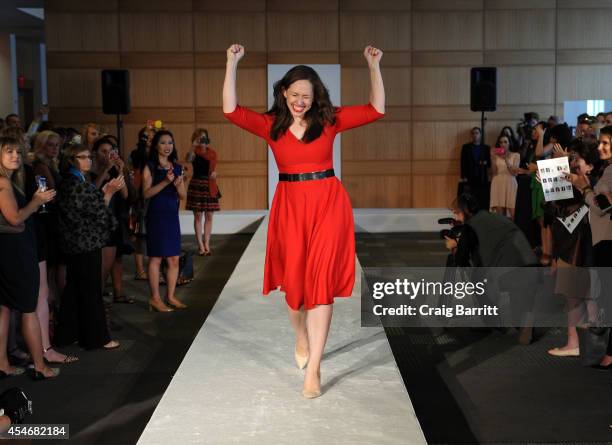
[603, 203]
[499, 151]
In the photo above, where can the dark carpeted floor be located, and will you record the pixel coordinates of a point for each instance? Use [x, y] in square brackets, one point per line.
[109, 396]
[480, 387]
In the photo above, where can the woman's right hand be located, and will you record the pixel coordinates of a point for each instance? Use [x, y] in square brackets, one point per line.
[41, 197]
[114, 185]
[235, 53]
[170, 176]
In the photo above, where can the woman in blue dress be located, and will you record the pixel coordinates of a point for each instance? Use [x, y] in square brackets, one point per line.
[163, 187]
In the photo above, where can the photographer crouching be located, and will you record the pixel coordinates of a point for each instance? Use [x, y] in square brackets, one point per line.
[478, 238]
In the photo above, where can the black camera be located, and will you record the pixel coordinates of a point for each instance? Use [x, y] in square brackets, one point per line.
[16, 404]
[454, 232]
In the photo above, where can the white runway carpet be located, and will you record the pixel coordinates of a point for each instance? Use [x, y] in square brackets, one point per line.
[239, 384]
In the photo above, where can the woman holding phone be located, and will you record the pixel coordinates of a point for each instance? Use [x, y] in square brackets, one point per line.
[202, 194]
[504, 167]
[164, 187]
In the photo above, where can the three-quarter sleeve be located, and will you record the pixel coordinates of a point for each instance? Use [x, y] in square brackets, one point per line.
[355, 116]
[251, 121]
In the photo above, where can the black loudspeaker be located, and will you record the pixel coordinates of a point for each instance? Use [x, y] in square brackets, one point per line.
[483, 89]
[116, 92]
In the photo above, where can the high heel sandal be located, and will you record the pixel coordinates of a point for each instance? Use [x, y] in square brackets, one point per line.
[68, 359]
[37, 375]
[159, 306]
[177, 304]
[141, 276]
[16, 371]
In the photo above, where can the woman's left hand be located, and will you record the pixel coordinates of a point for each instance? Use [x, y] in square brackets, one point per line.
[559, 152]
[580, 182]
[178, 181]
[372, 55]
[213, 175]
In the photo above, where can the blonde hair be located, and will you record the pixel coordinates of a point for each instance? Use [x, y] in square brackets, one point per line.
[39, 148]
[85, 129]
[17, 177]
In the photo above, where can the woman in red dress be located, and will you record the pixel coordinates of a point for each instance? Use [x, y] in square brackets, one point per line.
[310, 252]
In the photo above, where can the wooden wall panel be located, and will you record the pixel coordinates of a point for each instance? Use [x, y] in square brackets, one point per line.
[162, 88]
[580, 82]
[251, 85]
[81, 32]
[74, 88]
[434, 190]
[249, 192]
[156, 5]
[294, 32]
[389, 30]
[526, 85]
[441, 86]
[546, 51]
[380, 5]
[440, 140]
[212, 31]
[520, 4]
[379, 192]
[520, 30]
[234, 144]
[233, 6]
[311, 5]
[156, 32]
[77, 6]
[446, 5]
[355, 86]
[378, 141]
[448, 31]
[584, 28]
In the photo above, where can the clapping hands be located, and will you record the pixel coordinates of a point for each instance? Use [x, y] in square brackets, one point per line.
[114, 185]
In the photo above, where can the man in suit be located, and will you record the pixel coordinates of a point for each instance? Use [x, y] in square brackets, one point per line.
[475, 164]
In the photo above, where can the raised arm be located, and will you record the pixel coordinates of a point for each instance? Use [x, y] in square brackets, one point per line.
[230, 96]
[377, 89]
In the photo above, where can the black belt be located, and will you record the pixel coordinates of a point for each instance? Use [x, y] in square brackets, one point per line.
[292, 177]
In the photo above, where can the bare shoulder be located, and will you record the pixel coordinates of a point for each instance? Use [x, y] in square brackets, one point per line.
[4, 182]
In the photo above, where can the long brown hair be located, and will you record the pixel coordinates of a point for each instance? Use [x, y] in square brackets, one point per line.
[321, 112]
[18, 176]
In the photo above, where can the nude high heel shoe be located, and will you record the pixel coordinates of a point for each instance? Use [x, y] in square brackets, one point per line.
[312, 394]
[300, 360]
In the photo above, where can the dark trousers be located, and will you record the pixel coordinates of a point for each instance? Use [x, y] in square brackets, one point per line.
[602, 254]
[82, 317]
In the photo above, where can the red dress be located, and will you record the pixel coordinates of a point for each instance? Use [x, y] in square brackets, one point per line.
[310, 251]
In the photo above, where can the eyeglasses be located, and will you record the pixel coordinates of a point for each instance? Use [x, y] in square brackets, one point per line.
[90, 157]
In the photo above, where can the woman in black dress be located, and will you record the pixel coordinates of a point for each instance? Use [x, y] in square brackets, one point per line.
[19, 275]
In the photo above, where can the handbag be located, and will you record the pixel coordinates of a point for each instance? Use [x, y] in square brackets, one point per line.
[185, 268]
[6, 227]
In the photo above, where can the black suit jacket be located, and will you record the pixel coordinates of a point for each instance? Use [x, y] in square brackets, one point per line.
[472, 169]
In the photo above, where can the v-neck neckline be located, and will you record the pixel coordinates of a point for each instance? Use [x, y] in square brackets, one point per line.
[294, 136]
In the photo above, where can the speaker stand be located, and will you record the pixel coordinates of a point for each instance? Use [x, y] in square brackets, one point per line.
[120, 134]
[482, 128]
